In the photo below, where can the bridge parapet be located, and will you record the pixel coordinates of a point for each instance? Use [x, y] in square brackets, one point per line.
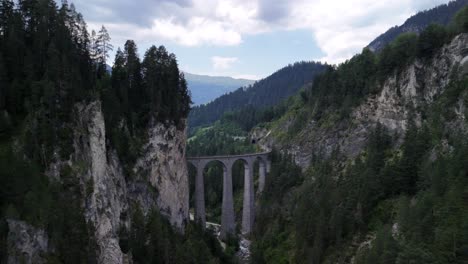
[217, 157]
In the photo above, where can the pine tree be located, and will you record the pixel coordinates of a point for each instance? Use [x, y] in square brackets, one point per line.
[93, 47]
[6, 13]
[3, 83]
[461, 20]
[103, 46]
[432, 38]
[138, 99]
[118, 81]
[151, 78]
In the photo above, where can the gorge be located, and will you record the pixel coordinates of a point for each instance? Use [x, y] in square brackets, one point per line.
[361, 162]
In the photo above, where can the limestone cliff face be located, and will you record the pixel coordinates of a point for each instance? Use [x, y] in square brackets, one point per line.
[102, 180]
[26, 243]
[163, 165]
[159, 179]
[416, 86]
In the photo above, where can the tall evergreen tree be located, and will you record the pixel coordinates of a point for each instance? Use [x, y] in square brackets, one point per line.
[6, 13]
[93, 48]
[103, 45]
[151, 78]
[134, 84]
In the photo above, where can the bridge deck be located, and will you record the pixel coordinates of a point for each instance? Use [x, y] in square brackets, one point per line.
[228, 156]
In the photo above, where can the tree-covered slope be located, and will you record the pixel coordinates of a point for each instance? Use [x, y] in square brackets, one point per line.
[442, 15]
[381, 141]
[263, 93]
[71, 136]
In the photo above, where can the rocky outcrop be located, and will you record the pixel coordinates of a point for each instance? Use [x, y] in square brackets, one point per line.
[402, 96]
[163, 165]
[417, 86]
[159, 178]
[102, 180]
[26, 244]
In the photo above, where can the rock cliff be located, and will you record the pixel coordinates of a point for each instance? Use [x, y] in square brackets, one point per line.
[27, 244]
[163, 165]
[159, 180]
[401, 97]
[103, 181]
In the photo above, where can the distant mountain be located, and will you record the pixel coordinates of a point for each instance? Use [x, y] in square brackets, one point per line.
[442, 14]
[205, 88]
[266, 92]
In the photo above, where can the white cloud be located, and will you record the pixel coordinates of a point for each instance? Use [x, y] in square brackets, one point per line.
[340, 28]
[247, 76]
[223, 63]
[196, 32]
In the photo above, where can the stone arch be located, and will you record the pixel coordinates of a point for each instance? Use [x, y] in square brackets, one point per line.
[245, 160]
[248, 201]
[213, 172]
[204, 164]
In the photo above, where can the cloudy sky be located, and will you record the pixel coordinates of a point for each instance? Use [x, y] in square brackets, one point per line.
[249, 38]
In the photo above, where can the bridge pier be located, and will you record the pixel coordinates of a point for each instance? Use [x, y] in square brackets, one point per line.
[261, 176]
[248, 208]
[200, 215]
[227, 214]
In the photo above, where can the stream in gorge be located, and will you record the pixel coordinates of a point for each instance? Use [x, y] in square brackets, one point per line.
[243, 255]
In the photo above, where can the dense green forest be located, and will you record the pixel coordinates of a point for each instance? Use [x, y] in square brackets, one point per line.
[410, 203]
[267, 92]
[46, 67]
[48, 64]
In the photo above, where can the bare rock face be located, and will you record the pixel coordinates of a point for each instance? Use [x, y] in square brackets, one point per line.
[163, 165]
[416, 86]
[27, 244]
[102, 180]
[464, 66]
[159, 179]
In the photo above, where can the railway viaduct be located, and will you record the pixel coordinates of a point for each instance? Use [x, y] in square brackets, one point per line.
[248, 210]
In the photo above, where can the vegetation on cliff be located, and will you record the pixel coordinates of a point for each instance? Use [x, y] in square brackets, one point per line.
[396, 202]
[48, 64]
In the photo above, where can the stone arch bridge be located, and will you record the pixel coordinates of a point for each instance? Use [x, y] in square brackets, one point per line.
[227, 215]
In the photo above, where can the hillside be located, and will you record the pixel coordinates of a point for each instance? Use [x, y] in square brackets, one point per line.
[204, 88]
[92, 164]
[372, 162]
[263, 93]
[367, 163]
[442, 15]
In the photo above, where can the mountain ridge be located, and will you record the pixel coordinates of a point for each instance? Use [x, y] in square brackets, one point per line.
[206, 88]
[441, 14]
[266, 92]
[381, 142]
